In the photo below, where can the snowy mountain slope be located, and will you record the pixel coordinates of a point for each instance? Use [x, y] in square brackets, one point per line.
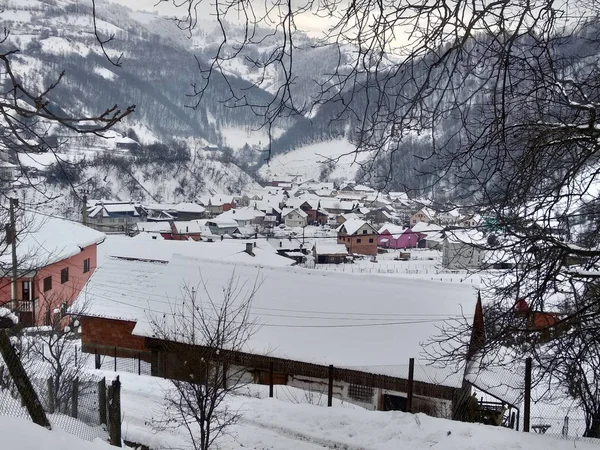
[311, 161]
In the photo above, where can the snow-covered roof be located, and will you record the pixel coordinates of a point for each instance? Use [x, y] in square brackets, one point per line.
[221, 222]
[460, 236]
[163, 250]
[245, 213]
[347, 320]
[188, 226]
[424, 227]
[153, 227]
[330, 248]
[189, 207]
[298, 211]
[428, 212]
[351, 226]
[43, 240]
[391, 228]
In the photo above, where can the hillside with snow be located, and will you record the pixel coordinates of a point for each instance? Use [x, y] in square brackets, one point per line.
[329, 160]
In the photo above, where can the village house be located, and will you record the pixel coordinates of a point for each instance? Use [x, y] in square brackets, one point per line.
[294, 218]
[180, 211]
[111, 216]
[126, 143]
[462, 250]
[422, 215]
[329, 253]
[55, 258]
[244, 216]
[380, 215]
[272, 212]
[397, 237]
[8, 172]
[217, 204]
[432, 235]
[302, 359]
[222, 227]
[358, 236]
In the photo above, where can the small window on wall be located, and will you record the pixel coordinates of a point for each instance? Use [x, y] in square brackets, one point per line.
[358, 241]
[370, 241]
[47, 283]
[86, 265]
[361, 393]
[64, 275]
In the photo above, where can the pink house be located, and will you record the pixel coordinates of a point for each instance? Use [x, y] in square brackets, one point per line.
[55, 258]
[394, 236]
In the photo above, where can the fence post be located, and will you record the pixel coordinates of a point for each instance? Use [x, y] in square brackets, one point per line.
[409, 388]
[97, 359]
[330, 387]
[51, 395]
[75, 399]
[271, 379]
[527, 400]
[115, 358]
[102, 400]
[114, 413]
[139, 363]
[22, 382]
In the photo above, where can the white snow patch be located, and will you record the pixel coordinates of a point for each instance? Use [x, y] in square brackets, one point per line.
[307, 161]
[105, 73]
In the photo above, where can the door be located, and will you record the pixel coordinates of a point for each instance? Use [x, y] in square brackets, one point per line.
[394, 403]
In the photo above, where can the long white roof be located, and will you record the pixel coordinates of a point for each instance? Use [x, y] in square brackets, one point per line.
[307, 315]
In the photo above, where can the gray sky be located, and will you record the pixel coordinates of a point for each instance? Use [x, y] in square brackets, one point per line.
[307, 22]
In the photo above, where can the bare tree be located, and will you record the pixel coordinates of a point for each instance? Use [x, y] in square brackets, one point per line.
[199, 334]
[502, 101]
[53, 353]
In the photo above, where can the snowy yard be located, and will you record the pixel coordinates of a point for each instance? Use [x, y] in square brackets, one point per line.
[423, 264]
[288, 421]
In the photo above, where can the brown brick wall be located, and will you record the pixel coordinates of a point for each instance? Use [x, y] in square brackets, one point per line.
[96, 331]
[364, 247]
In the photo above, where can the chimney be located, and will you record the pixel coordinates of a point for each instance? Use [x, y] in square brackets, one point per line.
[249, 248]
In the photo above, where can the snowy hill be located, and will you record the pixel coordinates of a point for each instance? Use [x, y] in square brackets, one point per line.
[327, 160]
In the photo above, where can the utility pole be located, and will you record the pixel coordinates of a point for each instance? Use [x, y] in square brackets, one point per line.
[84, 210]
[12, 235]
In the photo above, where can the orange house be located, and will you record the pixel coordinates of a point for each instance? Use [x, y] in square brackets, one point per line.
[55, 258]
[359, 237]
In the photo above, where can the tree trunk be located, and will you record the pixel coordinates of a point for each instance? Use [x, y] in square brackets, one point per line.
[593, 428]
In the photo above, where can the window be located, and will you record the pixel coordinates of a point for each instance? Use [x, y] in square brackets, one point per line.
[64, 275]
[26, 290]
[362, 393]
[86, 264]
[47, 283]
[358, 241]
[364, 231]
[370, 241]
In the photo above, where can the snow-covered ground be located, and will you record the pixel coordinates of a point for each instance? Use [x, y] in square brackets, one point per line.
[293, 420]
[308, 160]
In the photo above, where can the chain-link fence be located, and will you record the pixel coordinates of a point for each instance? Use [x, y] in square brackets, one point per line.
[112, 359]
[73, 400]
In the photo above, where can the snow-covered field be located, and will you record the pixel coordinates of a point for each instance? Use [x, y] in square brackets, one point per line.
[423, 264]
[308, 160]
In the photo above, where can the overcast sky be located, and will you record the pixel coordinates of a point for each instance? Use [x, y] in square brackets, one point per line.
[307, 22]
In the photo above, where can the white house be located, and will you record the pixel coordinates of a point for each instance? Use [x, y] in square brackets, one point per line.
[295, 218]
[462, 250]
[423, 215]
